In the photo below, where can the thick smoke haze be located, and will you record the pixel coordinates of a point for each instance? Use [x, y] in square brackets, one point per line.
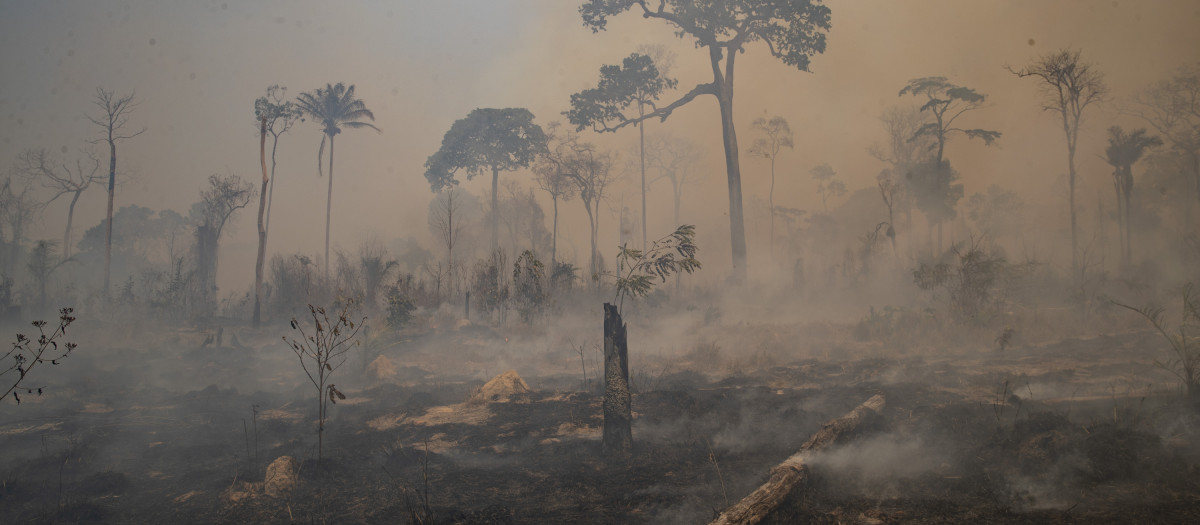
[1024, 379]
[198, 66]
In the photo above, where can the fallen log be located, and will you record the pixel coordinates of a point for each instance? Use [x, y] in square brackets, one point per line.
[787, 475]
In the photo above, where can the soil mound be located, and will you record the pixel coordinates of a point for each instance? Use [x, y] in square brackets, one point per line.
[280, 478]
[501, 388]
[381, 369]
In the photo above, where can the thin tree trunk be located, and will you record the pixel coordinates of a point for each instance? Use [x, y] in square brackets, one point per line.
[554, 236]
[70, 219]
[320, 423]
[618, 415]
[771, 206]
[271, 193]
[594, 263]
[112, 185]
[262, 227]
[328, 207]
[1128, 215]
[1071, 202]
[495, 208]
[1119, 185]
[939, 246]
[642, 154]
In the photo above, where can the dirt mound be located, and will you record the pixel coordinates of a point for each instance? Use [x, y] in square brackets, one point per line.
[280, 478]
[381, 369]
[500, 389]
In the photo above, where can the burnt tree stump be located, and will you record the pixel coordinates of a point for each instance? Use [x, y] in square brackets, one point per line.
[793, 471]
[618, 413]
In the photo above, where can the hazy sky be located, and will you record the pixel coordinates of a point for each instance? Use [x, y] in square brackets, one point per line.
[197, 67]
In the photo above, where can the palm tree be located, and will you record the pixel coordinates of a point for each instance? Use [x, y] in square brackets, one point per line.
[1123, 151]
[333, 107]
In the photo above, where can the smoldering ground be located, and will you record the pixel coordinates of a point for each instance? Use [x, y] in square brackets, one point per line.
[1004, 299]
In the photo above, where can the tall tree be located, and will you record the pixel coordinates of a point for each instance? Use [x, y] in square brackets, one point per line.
[112, 119]
[551, 179]
[1172, 107]
[792, 30]
[1069, 86]
[903, 152]
[674, 158]
[637, 83]
[275, 116]
[446, 221]
[1123, 151]
[224, 195]
[281, 115]
[945, 102]
[332, 107]
[487, 139]
[590, 169]
[776, 136]
[58, 176]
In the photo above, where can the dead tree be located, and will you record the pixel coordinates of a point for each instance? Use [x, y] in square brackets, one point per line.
[787, 475]
[114, 114]
[673, 254]
[618, 410]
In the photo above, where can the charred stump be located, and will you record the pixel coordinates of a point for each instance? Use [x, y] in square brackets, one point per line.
[618, 415]
[789, 474]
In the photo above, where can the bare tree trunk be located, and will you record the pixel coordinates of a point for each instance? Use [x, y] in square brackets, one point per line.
[271, 193]
[554, 237]
[262, 227]
[1128, 215]
[939, 245]
[328, 207]
[112, 185]
[642, 149]
[787, 475]
[771, 206]
[495, 208]
[594, 261]
[1071, 203]
[70, 219]
[618, 415]
[737, 225]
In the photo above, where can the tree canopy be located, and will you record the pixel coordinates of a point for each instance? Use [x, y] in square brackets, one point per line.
[637, 82]
[487, 140]
[792, 30]
[946, 101]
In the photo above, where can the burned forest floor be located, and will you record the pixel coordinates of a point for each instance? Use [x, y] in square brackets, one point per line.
[163, 427]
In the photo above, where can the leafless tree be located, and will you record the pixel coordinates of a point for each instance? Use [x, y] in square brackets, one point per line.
[1069, 86]
[446, 221]
[224, 195]
[60, 177]
[112, 119]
